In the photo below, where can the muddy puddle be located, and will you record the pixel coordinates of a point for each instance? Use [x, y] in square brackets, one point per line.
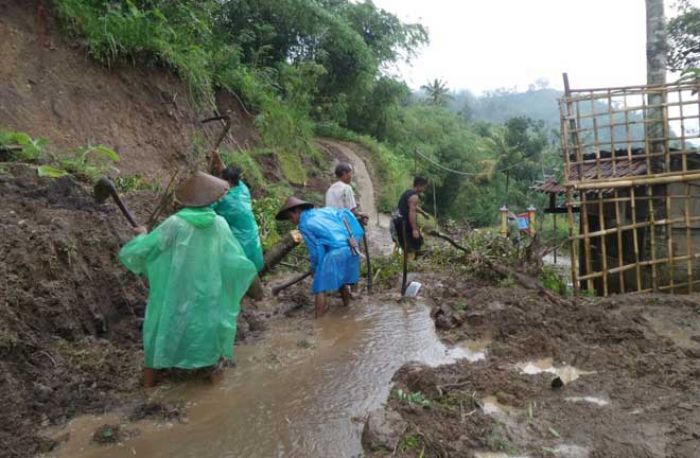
[304, 391]
[566, 373]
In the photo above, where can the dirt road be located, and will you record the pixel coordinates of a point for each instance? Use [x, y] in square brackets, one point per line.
[378, 228]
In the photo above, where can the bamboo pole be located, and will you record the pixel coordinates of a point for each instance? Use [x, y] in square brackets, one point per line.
[569, 137]
[576, 122]
[641, 225]
[641, 88]
[601, 207]
[652, 263]
[635, 241]
[669, 209]
[664, 178]
[688, 238]
[650, 207]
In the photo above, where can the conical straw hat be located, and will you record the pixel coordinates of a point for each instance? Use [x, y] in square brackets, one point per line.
[292, 202]
[200, 190]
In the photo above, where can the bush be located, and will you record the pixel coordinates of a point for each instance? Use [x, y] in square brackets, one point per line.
[30, 149]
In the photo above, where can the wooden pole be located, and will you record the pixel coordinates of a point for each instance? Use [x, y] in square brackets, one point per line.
[570, 137]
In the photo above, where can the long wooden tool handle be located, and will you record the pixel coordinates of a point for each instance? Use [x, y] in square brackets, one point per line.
[124, 210]
[369, 264]
[405, 257]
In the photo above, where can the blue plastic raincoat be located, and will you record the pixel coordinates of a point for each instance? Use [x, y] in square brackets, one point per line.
[326, 238]
[197, 275]
[237, 209]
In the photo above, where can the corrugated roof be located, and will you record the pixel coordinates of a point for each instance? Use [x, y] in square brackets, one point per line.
[620, 168]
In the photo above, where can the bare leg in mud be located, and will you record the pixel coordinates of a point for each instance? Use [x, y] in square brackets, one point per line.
[217, 372]
[150, 377]
[320, 304]
[345, 294]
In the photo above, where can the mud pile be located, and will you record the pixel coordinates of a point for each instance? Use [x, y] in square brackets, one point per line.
[69, 313]
[630, 369]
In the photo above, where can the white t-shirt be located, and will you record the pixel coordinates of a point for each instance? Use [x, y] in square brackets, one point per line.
[340, 195]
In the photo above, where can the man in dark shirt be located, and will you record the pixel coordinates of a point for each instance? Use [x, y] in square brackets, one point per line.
[406, 223]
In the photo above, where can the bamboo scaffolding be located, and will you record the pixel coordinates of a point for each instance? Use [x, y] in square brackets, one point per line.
[654, 201]
[647, 263]
[618, 220]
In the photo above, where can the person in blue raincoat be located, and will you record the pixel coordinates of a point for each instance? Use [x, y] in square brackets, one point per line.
[197, 274]
[331, 236]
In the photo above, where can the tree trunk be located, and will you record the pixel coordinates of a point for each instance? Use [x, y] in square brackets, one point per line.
[656, 72]
[656, 42]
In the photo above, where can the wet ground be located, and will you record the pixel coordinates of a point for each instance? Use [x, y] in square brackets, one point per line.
[303, 391]
[618, 377]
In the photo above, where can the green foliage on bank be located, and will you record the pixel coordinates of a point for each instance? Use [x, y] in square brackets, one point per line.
[319, 66]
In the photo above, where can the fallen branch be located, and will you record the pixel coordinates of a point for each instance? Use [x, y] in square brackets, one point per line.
[11, 148]
[524, 280]
[448, 239]
[293, 281]
[277, 253]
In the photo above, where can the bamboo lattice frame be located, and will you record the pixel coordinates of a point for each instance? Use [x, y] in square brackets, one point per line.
[632, 166]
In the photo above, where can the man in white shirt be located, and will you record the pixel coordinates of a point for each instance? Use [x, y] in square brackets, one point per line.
[340, 194]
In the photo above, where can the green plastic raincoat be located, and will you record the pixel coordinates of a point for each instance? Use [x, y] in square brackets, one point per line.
[237, 209]
[197, 274]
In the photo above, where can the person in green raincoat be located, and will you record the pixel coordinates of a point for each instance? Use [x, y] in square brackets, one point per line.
[197, 274]
[237, 209]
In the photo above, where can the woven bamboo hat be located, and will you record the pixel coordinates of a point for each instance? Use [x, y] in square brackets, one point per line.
[200, 190]
[291, 203]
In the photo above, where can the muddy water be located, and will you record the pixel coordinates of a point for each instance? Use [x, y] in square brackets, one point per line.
[301, 393]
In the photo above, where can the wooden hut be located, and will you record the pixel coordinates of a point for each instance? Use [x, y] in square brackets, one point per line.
[633, 208]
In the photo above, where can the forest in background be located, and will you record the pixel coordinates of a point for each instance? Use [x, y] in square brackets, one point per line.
[306, 68]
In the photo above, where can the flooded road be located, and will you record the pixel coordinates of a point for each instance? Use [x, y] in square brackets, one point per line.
[304, 391]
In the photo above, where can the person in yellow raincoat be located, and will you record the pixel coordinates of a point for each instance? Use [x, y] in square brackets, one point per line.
[197, 274]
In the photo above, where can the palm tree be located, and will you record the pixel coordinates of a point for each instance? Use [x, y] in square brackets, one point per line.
[437, 92]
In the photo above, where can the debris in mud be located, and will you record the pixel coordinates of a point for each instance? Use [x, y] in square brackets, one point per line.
[383, 430]
[108, 434]
[305, 343]
[638, 356]
[158, 411]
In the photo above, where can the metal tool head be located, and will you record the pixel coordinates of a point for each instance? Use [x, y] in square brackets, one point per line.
[104, 188]
[412, 289]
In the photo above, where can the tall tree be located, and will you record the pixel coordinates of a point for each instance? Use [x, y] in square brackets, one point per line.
[656, 70]
[656, 42]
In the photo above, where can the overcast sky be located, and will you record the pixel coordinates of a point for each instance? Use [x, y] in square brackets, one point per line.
[487, 44]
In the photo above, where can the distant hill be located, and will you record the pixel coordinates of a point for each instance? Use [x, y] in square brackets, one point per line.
[542, 105]
[499, 106]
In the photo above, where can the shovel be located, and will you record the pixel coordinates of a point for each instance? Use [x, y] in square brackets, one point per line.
[104, 189]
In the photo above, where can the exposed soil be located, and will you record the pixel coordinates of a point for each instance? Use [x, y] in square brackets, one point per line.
[639, 354]
[69, 314]
[52, 89]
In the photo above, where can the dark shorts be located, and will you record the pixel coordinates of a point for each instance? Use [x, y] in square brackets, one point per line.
[412, 244]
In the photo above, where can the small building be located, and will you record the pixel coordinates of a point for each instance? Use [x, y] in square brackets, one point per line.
[631, 186]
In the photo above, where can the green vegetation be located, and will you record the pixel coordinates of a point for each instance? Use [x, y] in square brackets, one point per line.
[310, 66]
[409, 442]
[86, 163]
[416, 398]
[21, 146]
[684, 39]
